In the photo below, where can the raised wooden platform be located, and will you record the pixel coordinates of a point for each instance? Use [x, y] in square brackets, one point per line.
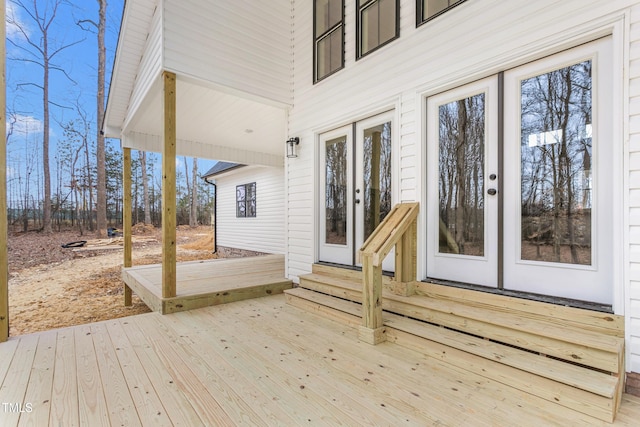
[257, 362]
[569, 356]
[211, 282]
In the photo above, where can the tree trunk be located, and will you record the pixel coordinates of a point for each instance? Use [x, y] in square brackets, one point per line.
[101, 207]
[145, 187]
[193, 216]
[46, 209]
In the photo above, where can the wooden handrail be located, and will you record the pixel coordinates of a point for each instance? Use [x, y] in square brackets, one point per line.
[397, 229]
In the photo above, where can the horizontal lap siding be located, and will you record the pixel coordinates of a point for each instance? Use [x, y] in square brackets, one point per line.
[240, 45]
[633, 307]
[265, 232]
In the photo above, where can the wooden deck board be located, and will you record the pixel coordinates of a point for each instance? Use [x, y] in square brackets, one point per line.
[211, 282]
[145, 399]
[256, 362]
[65, 381]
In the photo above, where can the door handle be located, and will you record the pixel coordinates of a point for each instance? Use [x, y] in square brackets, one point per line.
[492, 191]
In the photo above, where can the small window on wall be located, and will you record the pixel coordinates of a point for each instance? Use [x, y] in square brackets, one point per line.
[328, 37]
[428, 9]
[378, 23]
[246, 200]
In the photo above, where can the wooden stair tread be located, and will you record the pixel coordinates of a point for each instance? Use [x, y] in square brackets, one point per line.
[564, 333]
[593, 381]
[595, 321]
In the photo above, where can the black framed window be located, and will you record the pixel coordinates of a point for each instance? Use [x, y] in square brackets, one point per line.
[429, 9]
[246, 200]
[377, 23]
[328, 37]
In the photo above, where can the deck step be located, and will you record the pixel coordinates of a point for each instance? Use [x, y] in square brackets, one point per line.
[572, 344]
[574, 360]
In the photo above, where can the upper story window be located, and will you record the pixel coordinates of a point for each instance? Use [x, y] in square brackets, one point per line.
[328, 37]
[428, 9]
[378, 23]
[246, 200]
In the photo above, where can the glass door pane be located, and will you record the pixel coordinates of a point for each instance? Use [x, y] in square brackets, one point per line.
[335, 200]
[556, 174]
[461, 176]
[377, 176]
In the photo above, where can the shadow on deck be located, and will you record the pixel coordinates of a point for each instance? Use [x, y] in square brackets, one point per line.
[211, 282]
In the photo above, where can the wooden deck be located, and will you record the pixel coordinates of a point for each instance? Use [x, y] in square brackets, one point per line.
[211, 282]
[253, 362]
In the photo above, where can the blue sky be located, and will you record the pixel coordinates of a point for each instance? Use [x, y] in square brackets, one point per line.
[80, 61]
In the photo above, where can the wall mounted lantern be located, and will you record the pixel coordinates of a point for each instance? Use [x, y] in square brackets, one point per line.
[291, 147]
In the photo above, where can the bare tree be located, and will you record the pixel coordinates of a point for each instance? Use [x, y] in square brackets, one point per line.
[101, 204]
[40, 50]
[193, 216]
[145, 187]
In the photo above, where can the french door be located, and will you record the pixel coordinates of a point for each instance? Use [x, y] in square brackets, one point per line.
[520, 179]
[356, 188]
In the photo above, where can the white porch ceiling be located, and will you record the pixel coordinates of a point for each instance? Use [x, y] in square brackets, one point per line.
[212, 123]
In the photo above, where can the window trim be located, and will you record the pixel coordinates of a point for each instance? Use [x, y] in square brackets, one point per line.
[419, 12]
[246, 200]
[337, 27]
[361, 7]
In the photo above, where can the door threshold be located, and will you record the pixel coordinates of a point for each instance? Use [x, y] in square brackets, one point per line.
[567, 302]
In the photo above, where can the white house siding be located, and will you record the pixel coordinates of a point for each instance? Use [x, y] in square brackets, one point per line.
[633, 306]
[474, 40]
[151, 63]
[249, 46]
[265, 232]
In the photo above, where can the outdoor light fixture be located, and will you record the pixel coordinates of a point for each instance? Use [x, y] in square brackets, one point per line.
[291, 147]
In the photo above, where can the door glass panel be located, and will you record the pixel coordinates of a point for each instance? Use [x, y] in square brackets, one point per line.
[377, 176]
[336, 191]
[556, 172]
[461, 176]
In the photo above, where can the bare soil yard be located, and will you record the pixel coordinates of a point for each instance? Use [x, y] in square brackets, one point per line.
[52, 287]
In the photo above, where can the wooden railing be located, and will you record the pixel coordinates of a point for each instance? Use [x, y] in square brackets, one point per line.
[397, 229]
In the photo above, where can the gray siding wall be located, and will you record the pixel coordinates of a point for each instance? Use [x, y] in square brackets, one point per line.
[474, 40]
[265, 232]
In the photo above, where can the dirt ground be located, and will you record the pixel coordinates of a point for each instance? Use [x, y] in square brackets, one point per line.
[53, 287]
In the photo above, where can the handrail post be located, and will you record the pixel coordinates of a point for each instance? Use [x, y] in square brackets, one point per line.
[405, 262]
[371, 331]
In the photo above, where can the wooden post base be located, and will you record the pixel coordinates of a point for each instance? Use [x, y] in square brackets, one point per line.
[372, 336]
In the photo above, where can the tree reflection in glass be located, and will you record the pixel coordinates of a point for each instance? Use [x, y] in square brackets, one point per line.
[556, 159]
[461, 176]
[377, 175]
[336, 191]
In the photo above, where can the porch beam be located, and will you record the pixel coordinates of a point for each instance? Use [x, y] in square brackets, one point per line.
[4, 265]
[126, 217]
[169, 185]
